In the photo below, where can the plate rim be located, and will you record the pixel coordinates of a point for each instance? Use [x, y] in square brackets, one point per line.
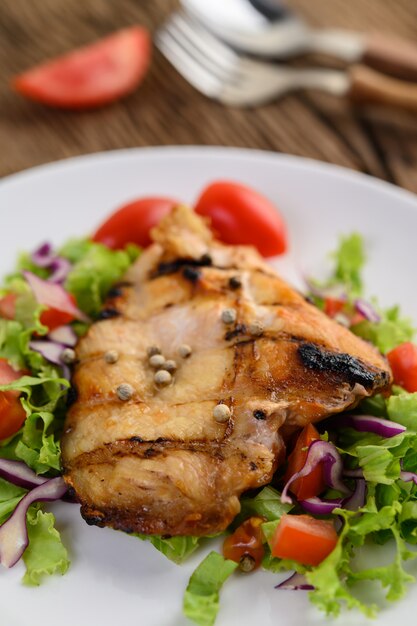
[196, 151]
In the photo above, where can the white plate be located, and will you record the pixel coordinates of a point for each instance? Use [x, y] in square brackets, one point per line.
[115, 578]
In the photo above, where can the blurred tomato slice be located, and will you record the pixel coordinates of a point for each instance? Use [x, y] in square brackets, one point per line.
[90, 76]
[133, 222]
[241, 215]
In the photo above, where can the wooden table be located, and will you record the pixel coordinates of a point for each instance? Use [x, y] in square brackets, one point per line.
[166, 110]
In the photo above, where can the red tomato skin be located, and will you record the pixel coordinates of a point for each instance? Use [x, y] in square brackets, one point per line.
[241, 215]
[90, 76]
[53, 318]
[403, 362]
[133, 222]
[314, 483]
[333, 306]
[12, 414]
[304, 539]
[8, 306]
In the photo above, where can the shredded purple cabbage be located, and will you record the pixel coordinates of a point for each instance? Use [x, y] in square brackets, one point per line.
[20, 474]
[295, 582]
[320, 452]
[370, 424]
[45, 257]
[13, 533]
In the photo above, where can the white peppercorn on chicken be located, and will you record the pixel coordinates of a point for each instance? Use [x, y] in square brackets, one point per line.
[161, 449]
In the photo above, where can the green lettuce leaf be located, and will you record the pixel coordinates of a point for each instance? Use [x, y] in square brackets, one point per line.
[10, 496]
[350, 259]
[176, 549]
[96, 268]
[267, 503]
[388, 333]
[201, 598]
[402, 408]
[45, 554]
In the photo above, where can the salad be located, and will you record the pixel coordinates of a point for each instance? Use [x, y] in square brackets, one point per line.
[350, 481]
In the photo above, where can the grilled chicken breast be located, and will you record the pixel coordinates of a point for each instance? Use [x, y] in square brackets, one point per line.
[165, 458]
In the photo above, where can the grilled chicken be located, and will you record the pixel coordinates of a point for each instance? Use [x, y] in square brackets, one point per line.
[162, 459]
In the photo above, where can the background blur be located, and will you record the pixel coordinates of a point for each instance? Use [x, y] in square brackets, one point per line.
[166, 110]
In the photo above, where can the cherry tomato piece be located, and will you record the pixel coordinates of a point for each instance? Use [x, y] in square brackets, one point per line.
[403, 362]
[12, 414]
[333, 306]
[132, 222]
[312, 484]
[53, 318]
[241, 215]
[304, 539]
[91, 76]
[245, 545]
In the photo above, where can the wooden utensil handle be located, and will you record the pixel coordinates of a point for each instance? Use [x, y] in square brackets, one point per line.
[391, 55]
[368, 86]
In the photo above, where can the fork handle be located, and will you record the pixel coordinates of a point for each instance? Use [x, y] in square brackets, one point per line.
[391, 55]
[368, 86]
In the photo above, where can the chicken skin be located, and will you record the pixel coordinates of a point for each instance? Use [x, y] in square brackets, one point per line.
[247, 362]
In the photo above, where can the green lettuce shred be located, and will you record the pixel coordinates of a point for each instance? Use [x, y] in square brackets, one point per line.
[201, 598]
[176, 549]
[96, 268]
[45, 554]
[349, 261]
[389, 332]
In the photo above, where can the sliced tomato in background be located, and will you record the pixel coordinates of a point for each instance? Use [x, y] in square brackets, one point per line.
[133, 221]
[304, 539]
[403, 362]
[8, 306]
[90, 76]
[312, 484]
[241, 215]
[12, 414]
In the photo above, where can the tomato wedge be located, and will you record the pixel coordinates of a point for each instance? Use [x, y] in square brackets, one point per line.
[312, 484]
[8, 306]
[90, 76]
[241, 215]
[12, 414]
[403, 362]
[132, 222]
[304, 539]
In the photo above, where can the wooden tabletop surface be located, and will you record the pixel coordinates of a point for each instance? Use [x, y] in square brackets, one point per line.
[166, 110]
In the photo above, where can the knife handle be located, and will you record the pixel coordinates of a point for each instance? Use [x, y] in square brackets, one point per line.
[369, 86]
[391, 55]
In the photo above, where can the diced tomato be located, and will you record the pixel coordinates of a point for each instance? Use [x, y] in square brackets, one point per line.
[241, 215]
[312, 484]
[133, 222]
[52, 318]
[333, 306]
[403, 362]
[8, 306]
[245, 545]
[304, 539]
[12, 414]
[90, 76]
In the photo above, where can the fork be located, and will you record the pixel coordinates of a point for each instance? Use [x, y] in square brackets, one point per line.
[235, 80]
